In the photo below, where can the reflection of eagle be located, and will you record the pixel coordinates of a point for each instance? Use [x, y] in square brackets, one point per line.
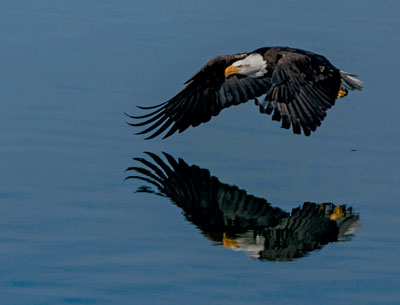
[231, 217]
[300, 87]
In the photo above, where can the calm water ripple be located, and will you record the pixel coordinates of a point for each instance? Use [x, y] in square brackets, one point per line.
[72, 231]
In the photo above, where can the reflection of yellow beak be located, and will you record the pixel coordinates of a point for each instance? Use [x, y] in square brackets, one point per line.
[229, 243]
[231, 70]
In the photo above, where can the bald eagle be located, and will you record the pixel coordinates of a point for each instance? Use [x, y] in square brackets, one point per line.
[299, 87]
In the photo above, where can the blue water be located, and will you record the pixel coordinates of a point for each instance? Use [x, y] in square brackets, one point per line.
[73, 232]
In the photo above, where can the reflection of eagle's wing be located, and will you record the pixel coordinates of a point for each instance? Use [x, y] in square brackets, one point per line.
[241, 221]
[208, 203]
[309, 227]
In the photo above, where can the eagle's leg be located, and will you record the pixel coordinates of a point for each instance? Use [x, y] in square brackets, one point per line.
[256, 102]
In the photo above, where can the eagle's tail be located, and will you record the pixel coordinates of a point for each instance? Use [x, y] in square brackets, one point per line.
[350, 81]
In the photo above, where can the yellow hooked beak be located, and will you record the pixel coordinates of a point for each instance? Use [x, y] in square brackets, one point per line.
[232, 70]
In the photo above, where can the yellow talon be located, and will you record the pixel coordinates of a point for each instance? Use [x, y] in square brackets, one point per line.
[342, 92]
[338, 212]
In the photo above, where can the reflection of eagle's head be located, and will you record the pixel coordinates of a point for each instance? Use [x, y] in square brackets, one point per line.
[229, 216]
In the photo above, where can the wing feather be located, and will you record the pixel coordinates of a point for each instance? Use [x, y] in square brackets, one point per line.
[183, 116]
[285, 116]
[152, 119]
[248, 87]
[204, 96]
[155, 125]
[307, 84]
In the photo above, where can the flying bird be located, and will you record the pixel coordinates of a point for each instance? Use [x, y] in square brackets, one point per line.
[299, 87]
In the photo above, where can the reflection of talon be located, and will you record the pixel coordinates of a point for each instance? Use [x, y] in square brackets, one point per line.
[342, 92]
[338, 212]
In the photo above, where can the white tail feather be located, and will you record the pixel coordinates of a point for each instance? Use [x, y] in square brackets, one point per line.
[350, 81]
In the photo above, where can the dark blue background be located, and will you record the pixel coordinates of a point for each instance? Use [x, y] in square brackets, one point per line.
[72, 232]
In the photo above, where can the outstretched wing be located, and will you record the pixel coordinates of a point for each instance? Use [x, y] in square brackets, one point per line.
[211, 205]
[205, 95]
[303, 87]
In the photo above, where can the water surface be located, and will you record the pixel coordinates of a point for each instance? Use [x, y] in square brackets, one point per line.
[73, 232]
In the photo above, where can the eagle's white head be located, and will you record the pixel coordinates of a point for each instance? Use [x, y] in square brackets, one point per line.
[253, 65]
